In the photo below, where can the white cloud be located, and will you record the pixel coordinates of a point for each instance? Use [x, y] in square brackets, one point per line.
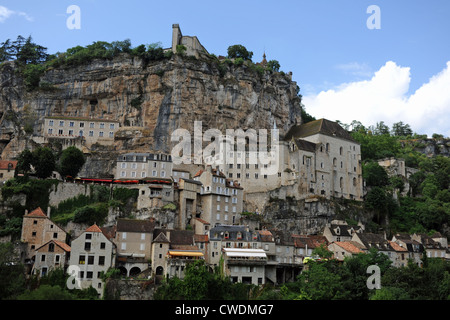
[5, 13]
[385, 98]
[355, 69]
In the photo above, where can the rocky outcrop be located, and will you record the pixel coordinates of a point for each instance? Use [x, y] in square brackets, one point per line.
[150, 100]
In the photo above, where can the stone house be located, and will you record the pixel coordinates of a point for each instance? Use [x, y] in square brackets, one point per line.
[340, 231]
[343, 249]
[399, 255]
[38, 229]
[337, 161]
[305, 244]
[221, 199]
[433, 248]
[229, 236]
[7, 169]
[144, 166]
[133, 239]
[414, 247]
[187, 194]
[92, 254]
[172, 250]
[51, 255]
[89, 129]
[244, 265]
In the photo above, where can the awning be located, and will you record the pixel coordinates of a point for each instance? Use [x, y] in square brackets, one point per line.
[186, 253]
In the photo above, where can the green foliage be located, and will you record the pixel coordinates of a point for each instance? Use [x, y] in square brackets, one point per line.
[181, 49]
[90, 214]
[273, 65]
[374, 174]
[239, 51]
[43, 161]
[12, 273]
[71, 161]
[200, 283]
[32, 75]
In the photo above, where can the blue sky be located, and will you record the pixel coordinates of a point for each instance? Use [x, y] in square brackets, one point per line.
[345, 70]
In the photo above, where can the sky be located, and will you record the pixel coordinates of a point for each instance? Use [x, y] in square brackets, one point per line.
[346, 69]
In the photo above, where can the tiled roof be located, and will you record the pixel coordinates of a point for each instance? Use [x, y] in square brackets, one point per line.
[36, 213]
[322, 126]
[161, 238]
[305, 145]
[4, 164]
[63, 245]
[396, 246]
[201, 238]
[349, 246]
[93, 228]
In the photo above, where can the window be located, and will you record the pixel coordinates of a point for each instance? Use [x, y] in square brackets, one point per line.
[55, 235]
[61, 123]
[92, 125]
[81, 124]
[102, 125]
[81, 133]
[142, 247]
[123, 165]
[91, 133]
[50, 131]
[82, 259]
[124, 235]
[100, 134]
[88, 236]
[111, 134]
[50, 123]
[87, 246]
[60, 131]
[111, 126]
[43, 258]
[102, 245]
[71, 124]
[89, 275]
[218, 207]
[70, 132]
[101, 260]
[90, 259]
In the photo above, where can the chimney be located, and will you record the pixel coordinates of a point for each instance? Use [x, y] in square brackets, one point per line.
[48, 211]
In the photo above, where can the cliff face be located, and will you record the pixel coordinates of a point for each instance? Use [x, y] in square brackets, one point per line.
[149, 100]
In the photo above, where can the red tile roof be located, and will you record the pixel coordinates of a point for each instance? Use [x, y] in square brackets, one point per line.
[36, 213]
[4, 164]
[93, 228]
[348, 246]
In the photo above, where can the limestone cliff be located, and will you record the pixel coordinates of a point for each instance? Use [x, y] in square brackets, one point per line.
[149, 100]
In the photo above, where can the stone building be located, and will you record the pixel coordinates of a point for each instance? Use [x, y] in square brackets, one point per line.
[51, 255]
[191, 43]
[222, 199]
[38, 229]
[89, 129]
[133, 239]
[245, 265]
[143, 166]
[7, 169]
[92, 254]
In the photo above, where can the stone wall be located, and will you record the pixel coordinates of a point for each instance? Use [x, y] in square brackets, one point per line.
[130, 289]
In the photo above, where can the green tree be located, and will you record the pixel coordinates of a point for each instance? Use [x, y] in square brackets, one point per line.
[24, 161]
[374, 174]
[401, 129]
[273, 65]
[318, 283]
[71, 161]
[12, 279]
[44, 162]
[46, 292]
[239, 51]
